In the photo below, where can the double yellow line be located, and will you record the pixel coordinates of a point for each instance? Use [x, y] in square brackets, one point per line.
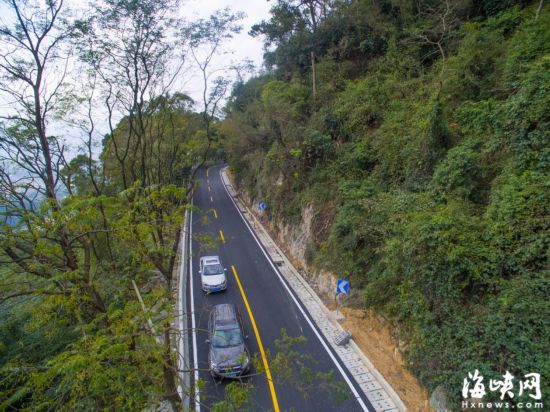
[260, 344]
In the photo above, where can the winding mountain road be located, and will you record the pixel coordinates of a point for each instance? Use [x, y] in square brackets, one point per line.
[267, 305]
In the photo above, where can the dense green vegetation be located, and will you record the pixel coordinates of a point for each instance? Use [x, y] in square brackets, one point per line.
[421, 139]
[88, 245]
[89, 241]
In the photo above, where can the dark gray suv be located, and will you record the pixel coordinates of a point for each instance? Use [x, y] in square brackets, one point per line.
[228, 356]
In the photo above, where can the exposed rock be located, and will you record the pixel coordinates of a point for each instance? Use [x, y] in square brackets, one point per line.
[439, 399]
[297, 237]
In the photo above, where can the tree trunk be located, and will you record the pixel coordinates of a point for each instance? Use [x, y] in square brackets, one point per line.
[539, 9]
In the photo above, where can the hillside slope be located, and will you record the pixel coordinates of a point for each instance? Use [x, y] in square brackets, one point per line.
[423, 150]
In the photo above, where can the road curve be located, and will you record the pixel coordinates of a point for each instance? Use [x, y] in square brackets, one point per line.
[267, 308]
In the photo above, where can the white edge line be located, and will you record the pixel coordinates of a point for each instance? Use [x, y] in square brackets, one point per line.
[291, 293]
[193, 323]
[181, 355]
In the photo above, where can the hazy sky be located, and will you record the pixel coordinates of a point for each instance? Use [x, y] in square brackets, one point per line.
[244, 46]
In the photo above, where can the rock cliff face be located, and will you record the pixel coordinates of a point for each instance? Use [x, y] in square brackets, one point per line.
[297, 237]
[294, 240]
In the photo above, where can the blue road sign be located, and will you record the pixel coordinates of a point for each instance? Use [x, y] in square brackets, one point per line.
[261, 206]
[342, 286]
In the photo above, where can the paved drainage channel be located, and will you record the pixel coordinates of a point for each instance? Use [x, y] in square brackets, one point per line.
[372, 383]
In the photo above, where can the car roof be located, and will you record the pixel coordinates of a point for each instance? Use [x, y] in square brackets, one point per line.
[225, 314]
[210, 260]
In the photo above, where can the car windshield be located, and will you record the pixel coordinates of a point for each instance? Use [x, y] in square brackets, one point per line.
[215, 269]
[227, 338]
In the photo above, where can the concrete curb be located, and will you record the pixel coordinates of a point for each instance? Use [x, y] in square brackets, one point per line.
[181, 307]
[368, 378]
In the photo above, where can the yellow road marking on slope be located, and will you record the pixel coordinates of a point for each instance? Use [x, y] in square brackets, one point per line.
[260, 344]
[215, 213]
[221, 236]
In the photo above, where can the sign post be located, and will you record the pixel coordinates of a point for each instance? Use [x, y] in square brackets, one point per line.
[342, 288]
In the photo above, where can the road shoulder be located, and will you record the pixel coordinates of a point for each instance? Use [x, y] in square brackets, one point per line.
[180, 318]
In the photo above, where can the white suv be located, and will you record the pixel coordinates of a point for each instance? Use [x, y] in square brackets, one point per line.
[212, 274]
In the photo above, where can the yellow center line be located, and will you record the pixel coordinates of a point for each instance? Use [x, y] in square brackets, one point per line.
[221, 236]
[215, 213]
[260, 344]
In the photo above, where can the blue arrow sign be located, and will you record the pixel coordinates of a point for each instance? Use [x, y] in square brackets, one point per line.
[261, 205]
[342, 286]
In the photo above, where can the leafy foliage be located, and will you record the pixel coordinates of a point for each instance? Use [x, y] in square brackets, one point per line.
[425, 156]
[88, 246]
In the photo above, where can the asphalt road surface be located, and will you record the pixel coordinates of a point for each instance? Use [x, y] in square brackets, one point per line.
[261, 296]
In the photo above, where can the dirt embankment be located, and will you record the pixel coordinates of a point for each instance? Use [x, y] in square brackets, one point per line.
[375, 340]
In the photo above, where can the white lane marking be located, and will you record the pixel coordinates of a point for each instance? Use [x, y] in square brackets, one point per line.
[193, 322]
[181, 355]
[342, 372]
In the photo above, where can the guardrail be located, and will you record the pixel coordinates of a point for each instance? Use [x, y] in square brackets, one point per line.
[181, 305]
